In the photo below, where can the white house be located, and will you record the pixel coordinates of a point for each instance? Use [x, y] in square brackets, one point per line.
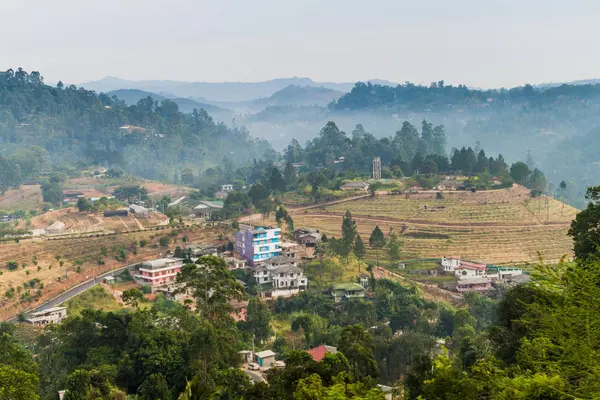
[450, 263]
[49, 316]
[469, 270]
[282, 280]
[227, 188]
[503, 273]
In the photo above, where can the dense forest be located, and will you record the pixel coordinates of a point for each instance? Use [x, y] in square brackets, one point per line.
[149, 139]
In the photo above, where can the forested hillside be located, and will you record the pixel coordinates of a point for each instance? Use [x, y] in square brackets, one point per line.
[151, 139]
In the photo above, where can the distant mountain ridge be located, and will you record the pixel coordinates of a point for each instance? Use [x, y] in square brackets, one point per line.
[218, 91]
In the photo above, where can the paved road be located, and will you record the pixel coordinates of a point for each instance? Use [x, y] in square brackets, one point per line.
[255, 376]
[74, 291]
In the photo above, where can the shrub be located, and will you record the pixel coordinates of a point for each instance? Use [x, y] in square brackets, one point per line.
[79, 269]
[164, 241]
[143, 243]
[39, 268]
[12, 265]
[146, 289]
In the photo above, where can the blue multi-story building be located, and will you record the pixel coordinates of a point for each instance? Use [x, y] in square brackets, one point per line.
[258, 244]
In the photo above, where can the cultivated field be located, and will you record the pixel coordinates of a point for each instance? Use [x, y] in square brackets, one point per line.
[501, 226]
[62, 263]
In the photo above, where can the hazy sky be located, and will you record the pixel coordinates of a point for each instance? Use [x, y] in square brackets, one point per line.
[486, 43]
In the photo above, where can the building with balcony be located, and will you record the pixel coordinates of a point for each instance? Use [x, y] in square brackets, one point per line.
[157, 273]
[280, 280]
[258, 244]
[52, 315]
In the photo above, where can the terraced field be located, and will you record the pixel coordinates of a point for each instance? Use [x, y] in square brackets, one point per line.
[504, 226]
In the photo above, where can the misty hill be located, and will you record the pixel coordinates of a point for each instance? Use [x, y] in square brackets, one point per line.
[132, 96]
[147, 139]
[215, 91]
[300, 96]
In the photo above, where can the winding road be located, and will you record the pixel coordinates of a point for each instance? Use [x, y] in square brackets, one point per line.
[72, 292]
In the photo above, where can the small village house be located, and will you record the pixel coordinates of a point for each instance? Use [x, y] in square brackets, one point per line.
[318, 353]
[208, 209]
[227, 188]
[345, 291]
[307, 237]
[198, 250]
[290, 250]
[265, 359]
[478, 284]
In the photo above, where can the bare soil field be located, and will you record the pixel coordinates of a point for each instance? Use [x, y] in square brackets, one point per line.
[102, 187]
[500, 226]
[27, 197]
[83, 222]
[60, 264]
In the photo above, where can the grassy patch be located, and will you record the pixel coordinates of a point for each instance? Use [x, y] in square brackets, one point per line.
[96, 298]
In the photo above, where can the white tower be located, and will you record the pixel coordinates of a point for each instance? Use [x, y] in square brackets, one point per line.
[377, 168]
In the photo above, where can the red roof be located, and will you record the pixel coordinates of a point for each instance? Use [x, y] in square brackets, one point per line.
[470, 265]
[319, 352]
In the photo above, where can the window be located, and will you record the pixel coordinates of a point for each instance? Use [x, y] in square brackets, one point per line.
[276, 233]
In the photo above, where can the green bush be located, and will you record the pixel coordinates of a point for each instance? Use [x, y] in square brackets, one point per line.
[12, 265]
[164, 241]
[146, 289]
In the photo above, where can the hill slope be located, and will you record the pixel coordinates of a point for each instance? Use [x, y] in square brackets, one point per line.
[300, 96]
[79, 125]
[132, 96]
[500, 226]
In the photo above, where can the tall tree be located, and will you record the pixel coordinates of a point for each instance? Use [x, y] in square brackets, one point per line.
[359, 250]
[377, 240]
[276, 181]
[585, 228]
[258, 320]
[357, 345]
[212, 285]
[348, 234]
[519, 171]
[393, 244]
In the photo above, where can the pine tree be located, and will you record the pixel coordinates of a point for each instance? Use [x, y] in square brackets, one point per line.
[393, 244]
[348, 235]
[359, 250]
[377, 240]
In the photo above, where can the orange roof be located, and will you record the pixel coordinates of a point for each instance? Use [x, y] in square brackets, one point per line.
[318, 353]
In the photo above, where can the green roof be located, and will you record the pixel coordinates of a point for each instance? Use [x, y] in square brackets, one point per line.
[347, 286]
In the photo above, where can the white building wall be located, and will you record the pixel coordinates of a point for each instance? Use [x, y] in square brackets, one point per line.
[450, 264]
